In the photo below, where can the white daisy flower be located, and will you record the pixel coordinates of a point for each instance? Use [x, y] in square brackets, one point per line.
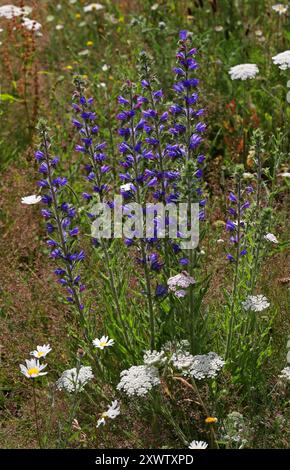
[112, 412]
[199, 445]
[32, 369]
[282, 60]
[41, 351]
[243, 71]
[280, 8]
[256, 303]
[104, 342]
[271, 238]
[31, 199]
[73, 380]
[93, 7]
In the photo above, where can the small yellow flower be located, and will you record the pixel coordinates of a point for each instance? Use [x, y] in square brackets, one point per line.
[210, 420]
[78, 16]
[90, 43]
[68, 67]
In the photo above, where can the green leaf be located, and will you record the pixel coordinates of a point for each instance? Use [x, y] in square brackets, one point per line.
[7, 97]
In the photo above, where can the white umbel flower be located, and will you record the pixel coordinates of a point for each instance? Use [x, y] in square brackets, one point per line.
[206, 366]
[182, 360]
[285, 373]
[112, 412]
[41, 351]
[154, 357]
[29, 200]
[256, 303]
[32, 369]
[93, 7]
[282, 60]
[198, 445]
[280, 8]
[243, 71]
[138, 380]
[103, 343]
[73, 380]
[286, 174]
[126, 187]
[10, 11]
[31, 25]
[271, 238]
[179, 283]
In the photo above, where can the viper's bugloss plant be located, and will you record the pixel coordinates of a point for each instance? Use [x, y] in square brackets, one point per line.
[60, 218]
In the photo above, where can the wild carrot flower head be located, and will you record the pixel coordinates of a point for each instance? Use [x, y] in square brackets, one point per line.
[10, 11]
[74, 380]
[30, 200]
[32, 369]
[285, 373]
[179, 283]
[282, 60]
[206, 366]
[138, 380]
[243, 71]
[256, 303]
[152, 358]
[270, 237]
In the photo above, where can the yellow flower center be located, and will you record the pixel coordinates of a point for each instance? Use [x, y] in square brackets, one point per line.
[33, 371]
[103, 343]
[40, 353]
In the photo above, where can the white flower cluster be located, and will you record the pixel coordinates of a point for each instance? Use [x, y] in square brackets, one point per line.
[285, 373]
[112, 412]
[29, 200]
[270, 237]
[151, 358]
[256, 303]
[138, 380]
[200, 366]
[206, 366]
[182, 360]
[235, 430]
[243, 71]
[282, 60]
[11, 11]
[280, 8]
[179, 283]
[74, 380]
